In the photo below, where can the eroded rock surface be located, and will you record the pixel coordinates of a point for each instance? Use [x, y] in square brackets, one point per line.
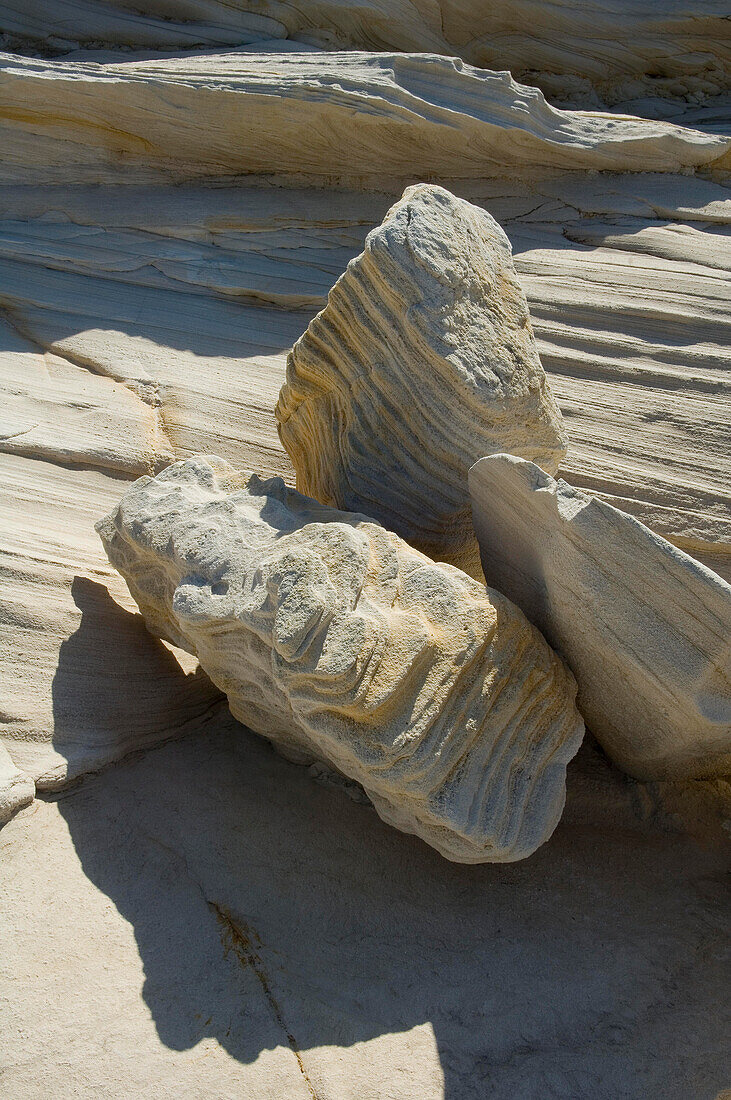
[336, 640]
[161, 288]
[82, 681]
[423, 359]
[204, 914]
[16, 788]
[96, 119]
[645, 628]
[621, 48]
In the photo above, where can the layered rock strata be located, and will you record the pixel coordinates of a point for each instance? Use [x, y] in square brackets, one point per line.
[645, 628]
[422, 360]
[16, 788]
[336, 640]
[621, 48]
[329, 117]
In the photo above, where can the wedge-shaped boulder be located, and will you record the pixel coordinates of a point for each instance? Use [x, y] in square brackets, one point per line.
[422, 361]
[337, 641]
[645, 628]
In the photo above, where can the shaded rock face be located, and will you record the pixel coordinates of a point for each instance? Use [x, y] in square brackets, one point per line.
[645, 628]
[336, 640]
[82, 682]
[423, 360]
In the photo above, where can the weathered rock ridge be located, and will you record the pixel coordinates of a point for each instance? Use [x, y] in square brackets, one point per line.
[422, 361]
[620, 48]
[336, 640]
[420, 116]
[645, 628]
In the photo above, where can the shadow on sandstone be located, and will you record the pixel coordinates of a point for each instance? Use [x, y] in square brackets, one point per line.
[271, 910]
[117, 689]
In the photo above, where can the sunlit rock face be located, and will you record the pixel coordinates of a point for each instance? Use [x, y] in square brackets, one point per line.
[371, 119]
[618, 48]
[422, 361]
[337, 641]
[645, 628]
[16, 789]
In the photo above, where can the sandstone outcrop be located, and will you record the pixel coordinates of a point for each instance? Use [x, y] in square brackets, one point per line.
[161, 289]
[205, 914]
[337, 641]
[423, 359]
[619, 48]
[83, 683]
[645, 628]
[419, 116]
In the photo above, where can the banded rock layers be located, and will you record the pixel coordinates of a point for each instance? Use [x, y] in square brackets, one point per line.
[645, 628]
[422, 361]
[663, 45]
[336, 640]
[369, 119]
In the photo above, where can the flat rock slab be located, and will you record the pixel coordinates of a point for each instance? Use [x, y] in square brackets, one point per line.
[339, 642]
[567, 50]
[645, 628]
[423, 360]
[593, 969]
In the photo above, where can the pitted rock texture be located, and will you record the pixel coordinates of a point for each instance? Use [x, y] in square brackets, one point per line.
[336, 640]
[645, 628]
[422, 360]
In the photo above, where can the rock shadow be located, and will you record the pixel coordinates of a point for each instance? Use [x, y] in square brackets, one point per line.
[116, 688]
[270, 909]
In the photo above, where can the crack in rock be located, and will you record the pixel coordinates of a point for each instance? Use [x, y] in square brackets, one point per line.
[236, 937]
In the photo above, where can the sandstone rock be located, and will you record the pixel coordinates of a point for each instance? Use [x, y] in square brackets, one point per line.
[633, 332]
[367, 117]
[644, 627]
[423, 359]
[336, 640]
[83, 683]
[16, 788]
[54, 409]
[620, 47]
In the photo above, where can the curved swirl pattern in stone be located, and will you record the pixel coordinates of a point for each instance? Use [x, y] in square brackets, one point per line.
[422, 361]
[335, 639]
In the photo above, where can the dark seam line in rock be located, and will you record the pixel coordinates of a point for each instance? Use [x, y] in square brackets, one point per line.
[236, 937]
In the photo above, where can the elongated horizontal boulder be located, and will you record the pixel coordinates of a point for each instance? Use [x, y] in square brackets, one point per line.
[645, 628]
[337, 641]
[422, 360]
